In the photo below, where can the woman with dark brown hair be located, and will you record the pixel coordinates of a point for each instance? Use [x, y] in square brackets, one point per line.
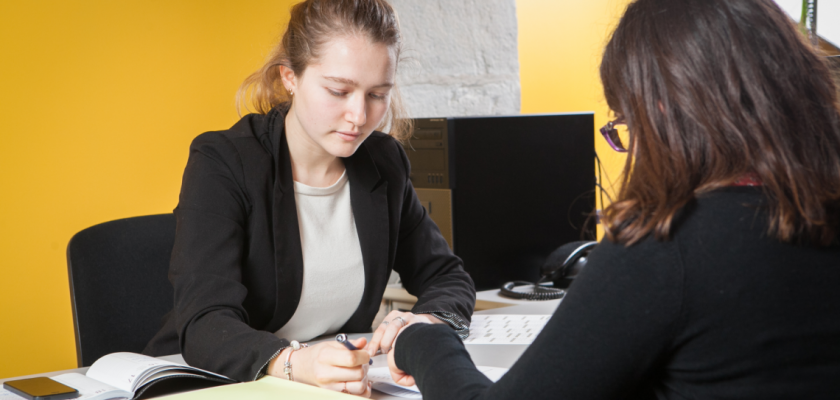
[719, 274]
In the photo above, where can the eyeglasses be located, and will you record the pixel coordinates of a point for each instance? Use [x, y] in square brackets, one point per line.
[611, 134]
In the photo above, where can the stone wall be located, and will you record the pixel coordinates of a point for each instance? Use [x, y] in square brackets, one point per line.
[460, 57]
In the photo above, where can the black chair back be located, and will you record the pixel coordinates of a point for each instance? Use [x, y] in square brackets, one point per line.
[119, 288]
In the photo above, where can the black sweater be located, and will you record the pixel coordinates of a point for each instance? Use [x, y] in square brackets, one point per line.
[720, 311]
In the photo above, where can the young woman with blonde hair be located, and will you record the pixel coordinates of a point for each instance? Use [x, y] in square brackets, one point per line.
[291, 221]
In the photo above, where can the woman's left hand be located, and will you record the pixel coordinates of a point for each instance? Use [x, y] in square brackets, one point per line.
[386, 333]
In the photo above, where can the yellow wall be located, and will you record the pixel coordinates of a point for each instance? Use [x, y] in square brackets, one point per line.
[100, 100]
[560, 45]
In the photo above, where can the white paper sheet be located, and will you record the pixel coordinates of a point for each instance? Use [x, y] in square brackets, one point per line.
[381, 381]
[505, 329]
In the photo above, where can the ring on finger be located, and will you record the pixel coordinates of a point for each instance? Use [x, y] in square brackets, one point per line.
[385, 323]
[345, 388]
[402, 321]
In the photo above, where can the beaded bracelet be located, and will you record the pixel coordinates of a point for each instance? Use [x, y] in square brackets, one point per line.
[287, 366]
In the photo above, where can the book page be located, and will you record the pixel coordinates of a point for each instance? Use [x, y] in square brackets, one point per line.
[90, 389]
[130, 371]
[381, 379]
[505, 329]
[167, 373]
[126, 370]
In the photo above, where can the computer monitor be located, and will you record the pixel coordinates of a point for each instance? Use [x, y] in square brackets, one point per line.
[506, 190]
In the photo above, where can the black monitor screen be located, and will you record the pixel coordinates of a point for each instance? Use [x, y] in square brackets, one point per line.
[523, 186]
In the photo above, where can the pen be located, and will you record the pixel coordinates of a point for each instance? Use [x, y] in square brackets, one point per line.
[342, 338]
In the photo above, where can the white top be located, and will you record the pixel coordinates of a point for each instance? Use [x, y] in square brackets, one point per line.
[333, 273]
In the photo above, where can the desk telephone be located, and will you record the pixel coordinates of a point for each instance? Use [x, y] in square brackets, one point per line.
[561, 268]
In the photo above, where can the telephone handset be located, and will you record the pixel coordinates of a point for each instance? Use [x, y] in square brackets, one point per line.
[561, 268]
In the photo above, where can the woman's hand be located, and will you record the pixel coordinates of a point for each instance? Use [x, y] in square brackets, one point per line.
[328, 365]
[384, 335]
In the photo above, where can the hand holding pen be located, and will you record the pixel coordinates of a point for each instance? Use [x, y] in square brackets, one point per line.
[342, 338]
[327, 365]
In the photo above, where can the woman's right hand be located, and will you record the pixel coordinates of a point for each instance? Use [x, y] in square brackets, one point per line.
[328, 365]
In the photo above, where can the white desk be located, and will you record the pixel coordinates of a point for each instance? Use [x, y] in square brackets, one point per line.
[396, 297]
[482, 354]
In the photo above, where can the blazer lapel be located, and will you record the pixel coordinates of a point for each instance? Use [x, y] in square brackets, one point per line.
[369, 200]
[288, 254]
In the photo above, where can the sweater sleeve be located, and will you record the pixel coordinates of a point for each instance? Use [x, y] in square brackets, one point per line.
[605, 340]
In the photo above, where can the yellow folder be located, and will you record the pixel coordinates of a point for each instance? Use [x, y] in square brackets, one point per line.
[268, 388]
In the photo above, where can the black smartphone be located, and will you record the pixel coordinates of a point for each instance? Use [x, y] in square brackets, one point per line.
[40, 389]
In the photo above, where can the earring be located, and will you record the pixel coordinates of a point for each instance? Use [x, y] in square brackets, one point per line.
[291, 93]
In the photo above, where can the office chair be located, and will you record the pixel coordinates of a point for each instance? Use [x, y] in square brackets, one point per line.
[119, 289]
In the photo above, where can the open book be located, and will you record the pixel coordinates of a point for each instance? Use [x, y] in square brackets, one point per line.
[127, 376]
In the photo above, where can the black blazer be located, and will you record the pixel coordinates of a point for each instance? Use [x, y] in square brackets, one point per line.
[237, 263]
